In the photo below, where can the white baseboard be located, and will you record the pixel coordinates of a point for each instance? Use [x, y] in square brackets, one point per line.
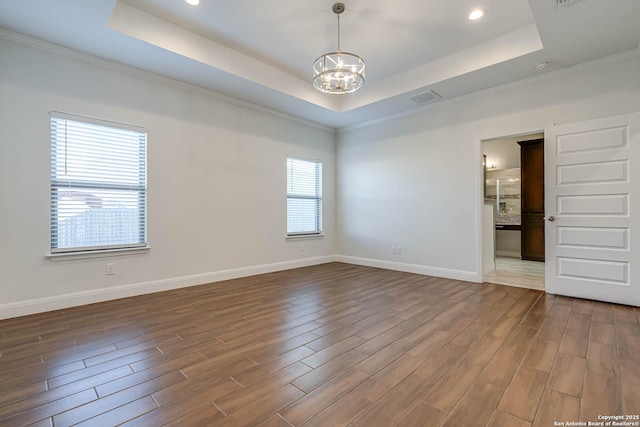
[468, 276]
[39, 305]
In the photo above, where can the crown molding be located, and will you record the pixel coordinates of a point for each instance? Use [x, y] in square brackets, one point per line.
[590, 65]
[66, 52]
[42, 45]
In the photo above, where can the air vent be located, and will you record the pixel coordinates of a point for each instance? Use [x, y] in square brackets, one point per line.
[428, 96]
[566, 3]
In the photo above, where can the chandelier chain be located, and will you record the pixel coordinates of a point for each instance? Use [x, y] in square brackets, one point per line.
[338, 33]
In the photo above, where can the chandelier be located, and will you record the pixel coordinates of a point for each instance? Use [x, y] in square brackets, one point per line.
[338, 72]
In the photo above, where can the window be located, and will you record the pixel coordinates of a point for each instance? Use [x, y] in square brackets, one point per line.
[98, 185]
[304, 197]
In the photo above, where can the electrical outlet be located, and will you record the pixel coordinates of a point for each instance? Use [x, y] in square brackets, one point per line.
[111, 269]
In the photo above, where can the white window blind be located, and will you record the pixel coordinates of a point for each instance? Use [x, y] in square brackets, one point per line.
[98, 184]
[304, 197]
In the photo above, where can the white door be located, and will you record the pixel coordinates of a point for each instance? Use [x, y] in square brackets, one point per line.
[592, 209]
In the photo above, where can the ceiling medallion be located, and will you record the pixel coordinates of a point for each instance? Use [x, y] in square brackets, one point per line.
[338, 72]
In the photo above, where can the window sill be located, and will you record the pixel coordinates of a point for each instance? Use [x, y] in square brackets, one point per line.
[305, 236]
[68, 256]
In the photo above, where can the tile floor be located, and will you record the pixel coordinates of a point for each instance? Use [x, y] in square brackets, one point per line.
[516, 272]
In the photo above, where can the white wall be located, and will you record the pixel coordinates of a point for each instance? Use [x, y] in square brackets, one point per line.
[216, 183]
[416, 181]
[489, 239]
[413, 182]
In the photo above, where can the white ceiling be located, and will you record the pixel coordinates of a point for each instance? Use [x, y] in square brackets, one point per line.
[262, 52]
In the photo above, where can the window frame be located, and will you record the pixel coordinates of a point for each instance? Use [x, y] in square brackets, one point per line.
[140, 190]
[318, 197]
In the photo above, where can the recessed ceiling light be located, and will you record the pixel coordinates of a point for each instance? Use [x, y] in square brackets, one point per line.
[477, 14]
[193, 2]
[541, 65]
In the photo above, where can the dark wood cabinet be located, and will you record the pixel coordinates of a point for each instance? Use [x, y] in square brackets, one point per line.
[532, 199]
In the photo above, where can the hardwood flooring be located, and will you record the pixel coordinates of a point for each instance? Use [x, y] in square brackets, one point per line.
[329, 345]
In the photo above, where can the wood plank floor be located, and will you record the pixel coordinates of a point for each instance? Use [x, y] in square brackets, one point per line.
[328, 345]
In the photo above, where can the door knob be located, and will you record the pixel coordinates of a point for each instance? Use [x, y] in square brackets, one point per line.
[552, 218]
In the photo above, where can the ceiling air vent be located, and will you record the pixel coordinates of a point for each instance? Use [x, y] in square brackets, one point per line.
[565, 3]
[428, 96]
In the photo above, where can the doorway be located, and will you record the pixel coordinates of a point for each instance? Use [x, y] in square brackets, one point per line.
[510, 210]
